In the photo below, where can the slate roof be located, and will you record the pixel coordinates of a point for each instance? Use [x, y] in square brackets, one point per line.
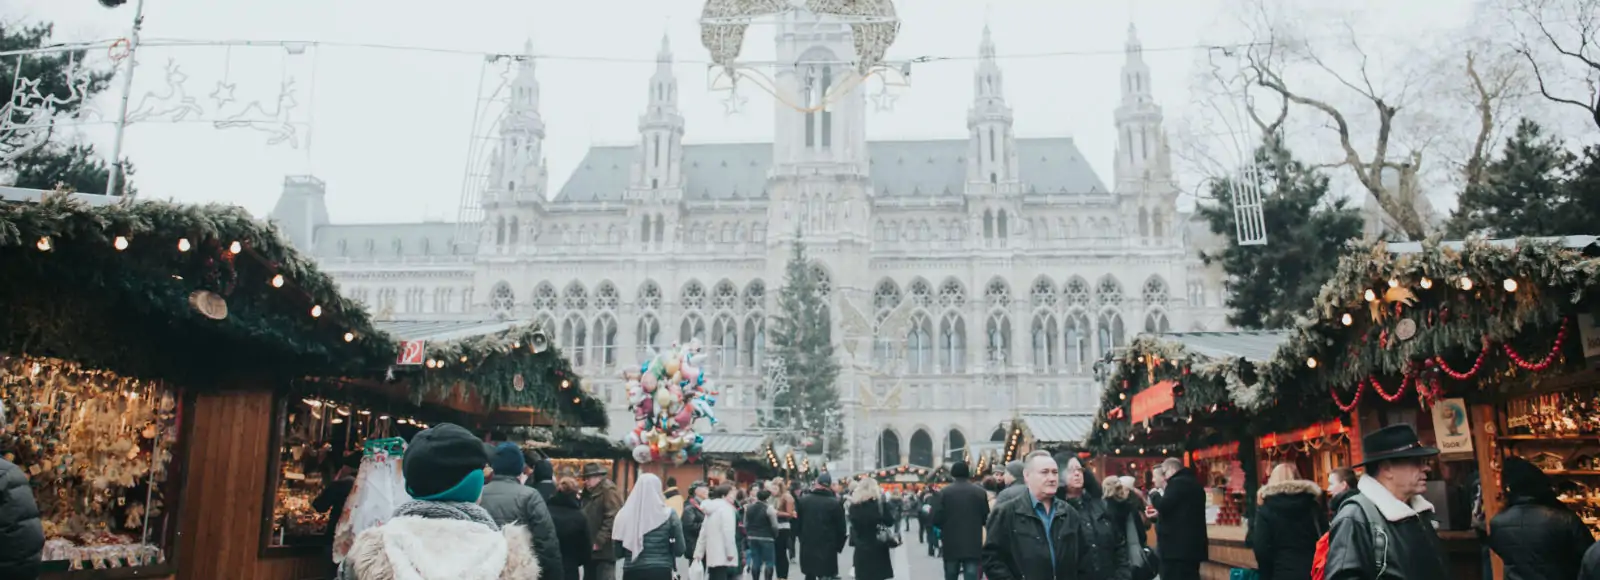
[934, 168]
[1058, 427]
[439, 330]
[733, 443]
[417, 239]
[1251, 345]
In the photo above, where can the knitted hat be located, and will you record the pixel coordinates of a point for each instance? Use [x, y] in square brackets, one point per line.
[824, 479]
[507, 459]
[1015, 469]
[961, 471]
[440, 458]
[543, 471]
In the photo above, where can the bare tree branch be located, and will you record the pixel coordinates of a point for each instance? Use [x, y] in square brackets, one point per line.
[1538, 18]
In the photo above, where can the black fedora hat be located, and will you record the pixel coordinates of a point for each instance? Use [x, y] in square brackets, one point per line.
[1393, 442]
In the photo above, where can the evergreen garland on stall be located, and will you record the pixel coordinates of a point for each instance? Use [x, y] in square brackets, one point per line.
[1412, 326]
[113, 286]
[506, 371]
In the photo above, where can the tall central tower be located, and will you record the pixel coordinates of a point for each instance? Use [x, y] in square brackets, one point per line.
[1143, 168]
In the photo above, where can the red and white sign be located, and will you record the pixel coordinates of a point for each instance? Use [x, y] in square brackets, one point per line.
[411, 353]
[1153, 401]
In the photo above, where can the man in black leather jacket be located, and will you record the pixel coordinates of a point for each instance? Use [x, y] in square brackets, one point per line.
[1390, 497]
[21, 533]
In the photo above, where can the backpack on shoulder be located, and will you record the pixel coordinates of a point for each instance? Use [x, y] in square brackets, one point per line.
[1380, 540]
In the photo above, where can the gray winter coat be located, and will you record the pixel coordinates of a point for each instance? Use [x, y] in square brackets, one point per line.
[507, 500]
[21, 534]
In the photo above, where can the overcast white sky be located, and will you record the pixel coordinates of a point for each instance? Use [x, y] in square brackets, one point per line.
[390, 128]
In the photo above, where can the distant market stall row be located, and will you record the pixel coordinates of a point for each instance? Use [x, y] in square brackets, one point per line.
[1487, 347]
[180, 385]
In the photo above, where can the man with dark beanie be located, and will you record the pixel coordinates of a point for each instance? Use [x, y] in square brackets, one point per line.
[508, 501]
[1015, 487]
[960, 511]
[442, 534]
[541, 475]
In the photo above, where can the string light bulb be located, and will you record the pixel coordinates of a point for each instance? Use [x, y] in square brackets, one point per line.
[336, 421]
[120, 243]
[184, 245]
[1426, 283]
[312, 402]
[383, 417]
[1394, 282]
[1106, 425]
[43, 244]
[1370, 295]
[235, 247]
[1510, 285]
[565, 384]
[1347, 319]
[364, 412]
[574, 400]
[349, 337]
[277, 281]
[463, 359]
[1122, 396]
[343, 411]
[1466, 283]
[316, 311]
[1311, 362]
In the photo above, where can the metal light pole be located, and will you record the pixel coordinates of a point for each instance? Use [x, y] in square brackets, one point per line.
[122, 107]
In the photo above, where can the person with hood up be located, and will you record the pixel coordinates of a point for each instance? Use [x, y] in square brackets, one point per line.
[1287, 525]
[443, 534]
[820, 528]
[21, 532]
[572, 530]
[1107, 557]
[1013, 486]
[717, 548]
[509, 501]
[1536, 535]
[541, 474]
[868, 513]
[601, 501]
[648, 535]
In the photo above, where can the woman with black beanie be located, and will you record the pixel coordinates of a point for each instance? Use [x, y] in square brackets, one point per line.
[1536, 536]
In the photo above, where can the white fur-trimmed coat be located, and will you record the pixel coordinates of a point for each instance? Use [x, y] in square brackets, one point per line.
[415, 548]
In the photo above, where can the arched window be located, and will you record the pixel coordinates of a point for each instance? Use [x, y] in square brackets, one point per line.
[575, 297]
[693, 328]
[998, 330]
[1077, 341]
[755, 341]
[649, 296]
[1044, 342]
[644, 229]
[1144, 223]
[819, 121]
[888, 449]
[574, 338]
[955, 445]
[725, 342]
[648, 336]
[1156, 322]
[953, 344]
[919, 345]
[502, 300]
[656, 231]
[499, 232]
[988, 225]
[921, 448]
[1000, 224]
[511, 231]
[1111, 333]
[605, 340]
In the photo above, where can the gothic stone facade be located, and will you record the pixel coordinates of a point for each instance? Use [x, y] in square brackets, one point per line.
[1017, 265]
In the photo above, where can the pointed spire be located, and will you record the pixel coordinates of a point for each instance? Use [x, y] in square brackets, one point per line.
[665, 54]
[1134, 47]
[986, 47]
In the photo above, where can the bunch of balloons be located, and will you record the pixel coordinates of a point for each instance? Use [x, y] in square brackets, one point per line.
[667, 394]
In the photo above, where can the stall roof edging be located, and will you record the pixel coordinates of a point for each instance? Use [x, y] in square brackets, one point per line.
[1255, 346]
[443, 330]
[733, 443]
[1059, 427]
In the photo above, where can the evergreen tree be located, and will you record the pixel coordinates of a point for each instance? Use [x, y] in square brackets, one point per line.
[1269, 285]
[1525, 192]
[803, 340]
[77, 167]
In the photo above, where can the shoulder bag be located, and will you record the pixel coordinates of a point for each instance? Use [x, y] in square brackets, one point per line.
[1142, 559]
[887, 535]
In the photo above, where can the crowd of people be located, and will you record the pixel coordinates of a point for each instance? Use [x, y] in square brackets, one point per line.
[482, 512]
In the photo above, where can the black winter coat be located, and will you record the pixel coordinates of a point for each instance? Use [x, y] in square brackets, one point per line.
[871, 557]
[572, 530]
[1107, 557]
[21, 533]
[693, 519]
[1413, 551]
[1286, 528]
[1539, 540]
[1016, 548]
[821, 532]
[507, 500]
[1181, 518]
[1591, 564]
[960, 510]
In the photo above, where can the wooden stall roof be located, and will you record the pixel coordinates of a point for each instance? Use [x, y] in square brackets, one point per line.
[437, 330]
[1058, 427]
[1249, 345]
[733, 443]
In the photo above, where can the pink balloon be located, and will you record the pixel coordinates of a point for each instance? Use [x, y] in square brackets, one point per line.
[675, 391]
[649, 383]
[685, 417]
[690, 373]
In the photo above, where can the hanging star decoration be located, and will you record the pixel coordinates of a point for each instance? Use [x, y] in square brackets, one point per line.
[734, 103]
[883, 100]
[223, 93]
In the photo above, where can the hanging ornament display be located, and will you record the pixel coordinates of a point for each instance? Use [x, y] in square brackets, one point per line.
[667, 394]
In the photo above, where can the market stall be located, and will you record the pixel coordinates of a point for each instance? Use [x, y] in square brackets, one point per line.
[1482, 346]
[142, 343]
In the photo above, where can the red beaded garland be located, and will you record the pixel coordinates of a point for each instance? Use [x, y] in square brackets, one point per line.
[1353, 402]
[1376, 386]
[1460, 376]
[1555, 350]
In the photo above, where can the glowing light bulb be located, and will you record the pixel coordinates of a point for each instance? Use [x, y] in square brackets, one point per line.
[43, 244]
[1394, 283]
[1466, 283]
[120, 243]
[1311, 363]
[349, 337]
[1426, 283]
[235, 247]
[1510, 285]
[316, 311]
[1347, 319]
[1370, 295]
[183, 244]
[277, 281]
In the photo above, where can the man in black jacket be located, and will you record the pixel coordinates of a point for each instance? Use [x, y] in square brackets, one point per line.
[508, 500]
[1396, 465]
[821, 530]
[21, 533]
[1181, 527]
[541, 474]
[1036, 537]
[962, 510]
